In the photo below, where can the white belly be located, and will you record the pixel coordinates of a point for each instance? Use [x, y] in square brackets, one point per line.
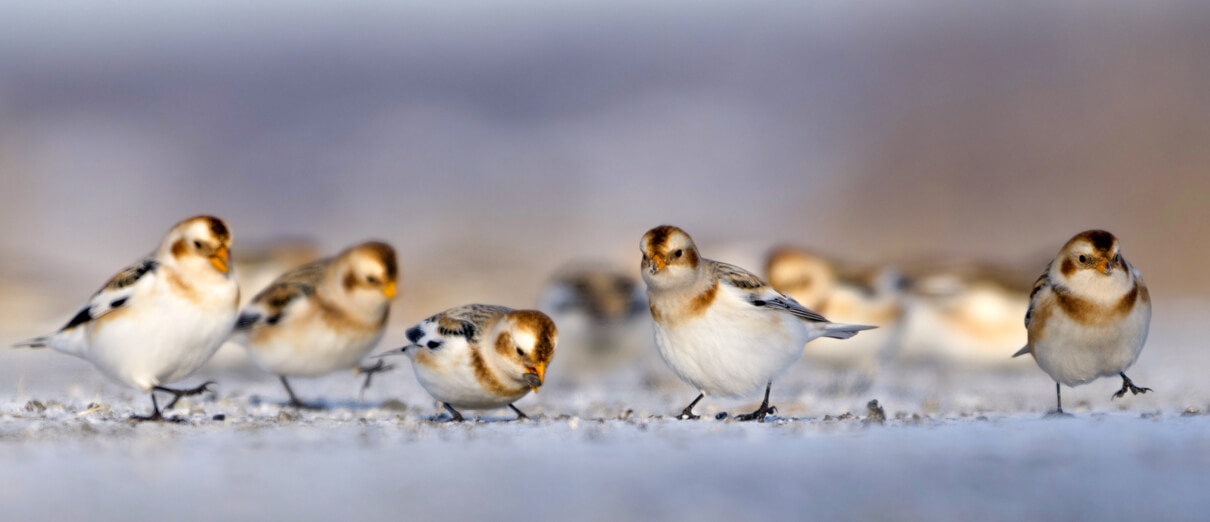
[311, 349]
[449, 377]
[732, 352]
[1075, 354]
[158, 343]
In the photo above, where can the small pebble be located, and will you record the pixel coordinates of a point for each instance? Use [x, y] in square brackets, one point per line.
[1191, 411]
[219, 417]
[394, 405]
[874, 412]
[35, 405]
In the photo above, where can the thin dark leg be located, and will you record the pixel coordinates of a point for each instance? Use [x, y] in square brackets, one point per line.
[294, 398]
[177, 394]
[762, 411]
[520, 414]
[687, 413]
[457, 417]
[1128, 386]
[156, 415]
[1058, 399]
[369, 371]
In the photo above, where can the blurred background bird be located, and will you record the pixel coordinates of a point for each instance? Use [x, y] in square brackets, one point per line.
[844, 293]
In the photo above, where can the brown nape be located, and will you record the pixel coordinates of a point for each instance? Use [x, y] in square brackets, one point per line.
[542, 328]
[1101, 240]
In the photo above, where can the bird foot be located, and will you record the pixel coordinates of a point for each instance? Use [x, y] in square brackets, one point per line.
[1128, 386]
[369, 371]
[156, 417]
[1057, 414]
[687, 414]
[177, 394]
[759, 415]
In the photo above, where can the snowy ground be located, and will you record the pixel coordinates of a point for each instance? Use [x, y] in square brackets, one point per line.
[958, 443]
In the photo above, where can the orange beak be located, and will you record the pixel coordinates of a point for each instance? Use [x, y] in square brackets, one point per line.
[540, 371]
[389, 290]
[220, 259]
[1103, 266]
[658, 263]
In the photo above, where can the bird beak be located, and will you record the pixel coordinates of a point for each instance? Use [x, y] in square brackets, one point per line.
[1103, 266]
[657, 263]
[535, 376]
[397, 351]
[389, 290]
[219, 259]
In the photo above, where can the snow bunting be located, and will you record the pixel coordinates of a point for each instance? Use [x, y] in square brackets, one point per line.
[1088, 315]
[720, 328]
[602, 318]
[323, 316]
[481, 357]
[844, 293]
[160, 319]
[964, 313]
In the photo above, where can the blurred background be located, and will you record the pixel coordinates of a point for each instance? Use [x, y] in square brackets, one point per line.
[493, 143]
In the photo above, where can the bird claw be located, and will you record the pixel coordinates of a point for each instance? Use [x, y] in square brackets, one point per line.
[369, 371]
[1128, 386]
[177, 394]
[758, 415]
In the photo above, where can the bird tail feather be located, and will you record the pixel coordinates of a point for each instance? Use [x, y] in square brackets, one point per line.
[36, 342]
[844, 331]
[1022, 351]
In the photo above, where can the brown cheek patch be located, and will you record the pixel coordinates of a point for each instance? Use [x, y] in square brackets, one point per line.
[691, 257]
[178, 248]
[349, 281]
[542, 328]
[1068, 268]
[487, 380]
[504, 343]
[180, 287]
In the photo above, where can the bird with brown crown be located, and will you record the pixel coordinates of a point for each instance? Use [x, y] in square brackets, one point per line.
[323, 316]
[160, 319]
[1088, 315]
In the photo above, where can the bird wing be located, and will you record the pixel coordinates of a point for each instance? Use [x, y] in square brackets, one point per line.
[117, 293]
[1040, 284]
[760, 294]
[467, 321]
[270, 305]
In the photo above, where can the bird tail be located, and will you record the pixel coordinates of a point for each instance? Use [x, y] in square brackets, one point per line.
[1022, 351]
[36, 342]
[844, 331]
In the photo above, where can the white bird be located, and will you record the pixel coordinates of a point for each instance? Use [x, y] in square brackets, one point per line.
[481, 357]
[720, 328]
[160, 319]
[1088, 315]
[323, 316]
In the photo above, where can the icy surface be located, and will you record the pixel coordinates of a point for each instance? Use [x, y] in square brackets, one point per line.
[957, 444]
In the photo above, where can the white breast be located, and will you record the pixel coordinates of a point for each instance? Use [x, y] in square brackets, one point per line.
[448, 375]
[734, 349]
[1074, 354]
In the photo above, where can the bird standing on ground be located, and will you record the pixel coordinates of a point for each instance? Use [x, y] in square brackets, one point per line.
[481, 357]
[720, 328]
[323, 316]
[1088, 315]
[160, 319]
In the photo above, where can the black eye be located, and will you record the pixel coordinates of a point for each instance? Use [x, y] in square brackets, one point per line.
[372, 280]
[1083, 259]
[677, 253]
[197, 244]
[521, 353]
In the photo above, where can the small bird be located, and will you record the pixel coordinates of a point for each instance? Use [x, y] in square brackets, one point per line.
[481, 357]
[1088, 315]
[160, 319]
[602, 318]
[322, 316]
[848, 293]
[964, 313]
[719, 327]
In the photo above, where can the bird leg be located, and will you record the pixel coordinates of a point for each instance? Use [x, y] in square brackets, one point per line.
[294, 399]
[369, 371]
[1128, 386]
[455, 416]
[155, 416]
[687, 413]
[762, 411]
[1058, 404]
[520, 414]
[177, 394]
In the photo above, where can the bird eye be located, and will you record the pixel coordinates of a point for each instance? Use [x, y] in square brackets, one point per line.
[519, 352]
[1117, 258]
[1083, 259]
[372, 280]
[677, 253]
[197, 244]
